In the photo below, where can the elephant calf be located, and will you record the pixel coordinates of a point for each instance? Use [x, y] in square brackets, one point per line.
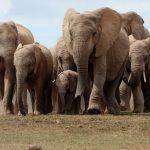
[66, 83]
[34, 66]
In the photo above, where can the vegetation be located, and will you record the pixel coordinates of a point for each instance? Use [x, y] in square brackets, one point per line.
[66, 132]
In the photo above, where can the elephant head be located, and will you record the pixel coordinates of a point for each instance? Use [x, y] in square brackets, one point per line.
[87, 33]
[64, 59]
[8, 32]
[133, 24]
[26, 61]
[139, 57]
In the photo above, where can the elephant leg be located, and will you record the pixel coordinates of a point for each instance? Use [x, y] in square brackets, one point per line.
[38, 105]
[96, 101]
[125, 95]
[78, 109]
[70, 105]
[16, 109]
[112, 104]
[86, 95]
[146, 92]
[9, 82]
[48, 101]
[62, 102]
[24, 98]
[138, 99]
[32, 95]
[55, 101]
[2, 85]
[147, 103]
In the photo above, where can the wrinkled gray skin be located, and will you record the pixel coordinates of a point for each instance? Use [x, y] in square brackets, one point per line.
[139, 57]
[145, 35]
[14, 33]
[97, 37]
[54, 96]
[66, 84]
[25, 37]
[125, 91]
[133, 24]
[64, 61]
[34, 66]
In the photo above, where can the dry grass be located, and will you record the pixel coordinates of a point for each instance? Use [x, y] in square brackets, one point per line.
[65, 132]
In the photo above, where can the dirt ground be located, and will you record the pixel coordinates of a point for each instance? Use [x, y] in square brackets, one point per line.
[77, 132]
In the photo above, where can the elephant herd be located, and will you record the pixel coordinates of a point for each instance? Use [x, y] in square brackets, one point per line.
[99, 64]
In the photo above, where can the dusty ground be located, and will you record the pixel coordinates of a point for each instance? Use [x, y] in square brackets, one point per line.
[64, 132]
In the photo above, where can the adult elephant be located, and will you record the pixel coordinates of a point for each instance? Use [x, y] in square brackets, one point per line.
[125, 90]
[139, 60]
[11, 35]
[133, 24]
[64, 61]
[145, 35]
[97, 37]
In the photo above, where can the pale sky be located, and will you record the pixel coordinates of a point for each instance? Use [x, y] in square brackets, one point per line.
[44, 18]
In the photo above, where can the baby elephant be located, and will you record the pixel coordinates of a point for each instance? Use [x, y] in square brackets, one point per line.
[66, 83]
[34, 66]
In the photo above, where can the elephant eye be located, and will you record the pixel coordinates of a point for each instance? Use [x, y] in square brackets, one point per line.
[70, 33]
[130, 59]
[94, 33]
[145, 59]
[67, 86]
[60, 59]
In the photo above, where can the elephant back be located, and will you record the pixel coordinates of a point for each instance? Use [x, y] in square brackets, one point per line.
[25, 35]
[47, 54]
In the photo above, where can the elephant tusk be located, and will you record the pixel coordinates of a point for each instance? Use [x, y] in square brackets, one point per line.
[129, 78]
[144, 76]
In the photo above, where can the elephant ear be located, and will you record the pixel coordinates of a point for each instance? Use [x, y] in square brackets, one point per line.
[70, 14]
[133, 24]
[37, 58]
[109, 27]
[137, 29]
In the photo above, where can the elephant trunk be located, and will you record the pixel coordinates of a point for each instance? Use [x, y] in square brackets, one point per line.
[20, 88]
[138, 32]
[134, 79]
[137, 70]
[82, 69]
[81, 54]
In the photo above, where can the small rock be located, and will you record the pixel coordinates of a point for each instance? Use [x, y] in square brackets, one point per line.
[35, 147]
[80, 126]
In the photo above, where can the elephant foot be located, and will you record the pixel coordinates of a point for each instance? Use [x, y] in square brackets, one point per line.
[123, 108]
[7, 109]
[146, 107]
[36, 112]
[8, 112]
[146, 110]
[113, 108]
[94, 107]
[21, 113]
[138, 108]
